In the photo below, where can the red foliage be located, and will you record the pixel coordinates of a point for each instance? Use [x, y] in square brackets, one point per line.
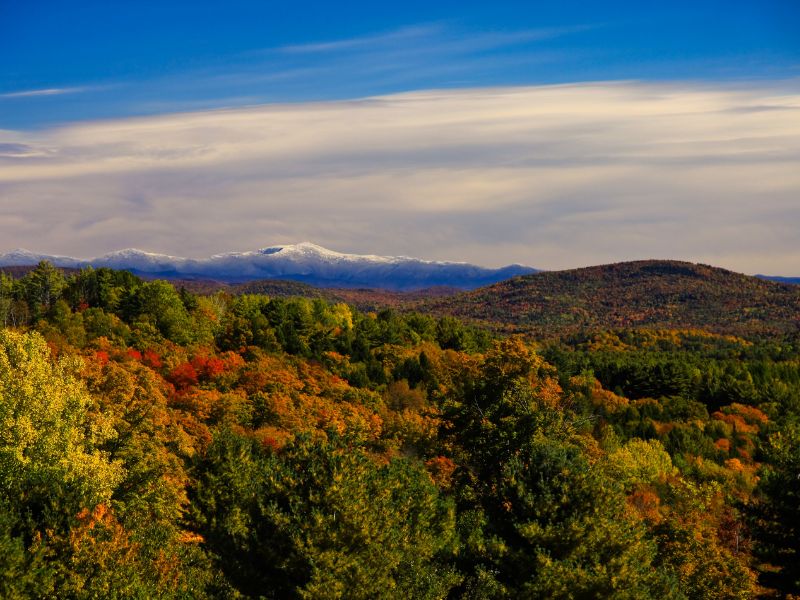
[183, 376]
[152, 359]
[270, 443]
[101, 357]
[134, 354]
[208, 367]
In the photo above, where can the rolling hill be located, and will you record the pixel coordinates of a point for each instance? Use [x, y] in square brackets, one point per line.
[650, 293]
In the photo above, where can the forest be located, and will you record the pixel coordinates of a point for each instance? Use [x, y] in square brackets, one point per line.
[664, 294]
[159, 443]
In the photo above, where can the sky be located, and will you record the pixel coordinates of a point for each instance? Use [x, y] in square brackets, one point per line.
[553, 134]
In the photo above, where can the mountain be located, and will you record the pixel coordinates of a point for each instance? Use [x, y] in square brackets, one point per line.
[304, 262]
[794, 280]
[651, 293]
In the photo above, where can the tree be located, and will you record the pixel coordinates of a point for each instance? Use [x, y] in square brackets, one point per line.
[778, 513]
[639, 462]
[539, 520]
[48, 444]
[6, 297]
[157, 302]
[322, 520]
[42, 287]
[50, 464]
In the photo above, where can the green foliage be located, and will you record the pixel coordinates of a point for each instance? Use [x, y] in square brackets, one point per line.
[42, 287]
[552, 526]
[323, 520]
[158, 303]
[778, 516]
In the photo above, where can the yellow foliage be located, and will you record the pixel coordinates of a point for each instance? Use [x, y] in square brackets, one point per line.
[640, 462]
[46, 433]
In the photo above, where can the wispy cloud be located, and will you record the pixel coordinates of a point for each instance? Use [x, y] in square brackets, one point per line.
[403, 35]
[552, 176]
[418, 56]
[434, 32]
[43, 92]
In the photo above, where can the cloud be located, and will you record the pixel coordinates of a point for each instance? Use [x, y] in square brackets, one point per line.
[42, 92]
[403, 34]
[436, 36]
[14, 150]
[552, 176]
[419, 56]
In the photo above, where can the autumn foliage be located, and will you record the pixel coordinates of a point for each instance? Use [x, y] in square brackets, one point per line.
[161, 444]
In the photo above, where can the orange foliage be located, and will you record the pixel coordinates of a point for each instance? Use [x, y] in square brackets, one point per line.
[441, 470]
[751, 414]
[272, 438]
[54, 350]
[210, 367]
[198, 402]
[736, 421]
[745, 419]
[189, 537]
[113, 540]
[605, 399]
[647, 504]
[662, 428]
[734, 464]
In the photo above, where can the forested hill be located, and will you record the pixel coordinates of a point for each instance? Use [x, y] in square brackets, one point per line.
[368, 299]
[649, 293]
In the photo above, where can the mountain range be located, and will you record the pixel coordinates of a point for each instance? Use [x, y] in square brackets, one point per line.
[304, 262]
[794, 280]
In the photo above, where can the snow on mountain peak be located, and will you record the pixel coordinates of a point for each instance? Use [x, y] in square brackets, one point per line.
[304, 261]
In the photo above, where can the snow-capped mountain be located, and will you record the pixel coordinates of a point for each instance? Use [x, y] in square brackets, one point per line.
[305, 262]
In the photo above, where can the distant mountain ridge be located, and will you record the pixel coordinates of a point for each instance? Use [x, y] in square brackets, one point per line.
[794, 280]
[304, 262]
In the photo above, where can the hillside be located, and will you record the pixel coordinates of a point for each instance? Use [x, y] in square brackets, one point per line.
[651, 293]
[362, 298]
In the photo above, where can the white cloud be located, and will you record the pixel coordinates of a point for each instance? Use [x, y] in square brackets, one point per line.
[552, 176]
[365, 41]
[43, 92]
[433, 38]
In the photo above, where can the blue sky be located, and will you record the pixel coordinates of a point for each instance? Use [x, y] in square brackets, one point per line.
[65, 61]
[554, 134]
